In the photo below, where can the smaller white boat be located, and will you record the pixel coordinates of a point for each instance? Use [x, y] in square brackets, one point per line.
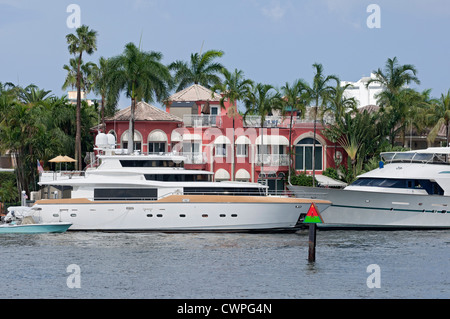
[20, 220]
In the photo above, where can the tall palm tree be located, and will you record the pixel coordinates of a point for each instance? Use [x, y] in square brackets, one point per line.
[395, 76]
[319, 93]
[394, 79]
[142, 76]
[294, 100]
[338, 103]
[440, 115]
[84, 40]
[85, 75]
[201, 70]
[233, 89]
[262, 100]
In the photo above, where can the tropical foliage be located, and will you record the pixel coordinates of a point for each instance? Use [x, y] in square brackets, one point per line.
[201, 69]
[234, 88]
[36, 126]
[141, 75]
[84, 41]
[318, 95]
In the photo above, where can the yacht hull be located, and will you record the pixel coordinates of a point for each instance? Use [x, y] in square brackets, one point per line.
[359, 209]
[180, 213]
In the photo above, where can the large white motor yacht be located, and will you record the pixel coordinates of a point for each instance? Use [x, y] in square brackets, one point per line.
[129, 192]
[410, 190]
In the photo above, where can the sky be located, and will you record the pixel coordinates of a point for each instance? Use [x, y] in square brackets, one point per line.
[271, 41]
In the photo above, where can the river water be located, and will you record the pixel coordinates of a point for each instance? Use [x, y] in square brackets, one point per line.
[80, 265]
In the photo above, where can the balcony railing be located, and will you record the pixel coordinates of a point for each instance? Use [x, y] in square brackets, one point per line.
[190, 120]
[193, 157]
[272, 159]
[283, 121]
[270, 121]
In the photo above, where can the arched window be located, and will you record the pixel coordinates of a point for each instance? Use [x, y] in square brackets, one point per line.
[303, 155]
[157, 142]
[137, 140]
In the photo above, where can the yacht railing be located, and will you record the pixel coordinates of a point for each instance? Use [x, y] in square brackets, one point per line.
[259, 192]
[48, 176]
[415, 157]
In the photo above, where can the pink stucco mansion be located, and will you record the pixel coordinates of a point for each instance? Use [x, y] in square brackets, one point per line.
[195, 125]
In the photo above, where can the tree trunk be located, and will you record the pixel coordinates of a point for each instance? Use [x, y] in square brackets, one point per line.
[78, 131]
[314, 148]
[102, 111]
[233, 153]
[262, 147]
[446, 126]
[290, 148]
[131, 127]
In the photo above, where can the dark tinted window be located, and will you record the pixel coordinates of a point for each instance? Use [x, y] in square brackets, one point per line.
[178, 177]
[238, 191]
[125, 194]
[150, 163]
[432, 188]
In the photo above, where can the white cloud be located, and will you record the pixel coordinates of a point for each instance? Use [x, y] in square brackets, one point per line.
[274, 11]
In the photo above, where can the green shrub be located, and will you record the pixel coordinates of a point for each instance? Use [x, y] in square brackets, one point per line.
[302, 180]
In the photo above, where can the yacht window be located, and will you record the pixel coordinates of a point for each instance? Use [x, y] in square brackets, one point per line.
[432, 188]
[125, 194]
[178, 177]
[387, 157]
[423, 157]
[150, 163]
[404, 156]
[235, 191]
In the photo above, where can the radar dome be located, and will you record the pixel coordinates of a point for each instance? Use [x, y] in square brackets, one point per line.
[111, 140]
[101, 140]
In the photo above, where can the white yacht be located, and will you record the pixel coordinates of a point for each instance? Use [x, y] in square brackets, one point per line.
[410, 190]
[129, 192]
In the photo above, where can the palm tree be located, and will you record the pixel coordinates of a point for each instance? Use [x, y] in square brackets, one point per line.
[394, 80]
[142, 76]
[86, 75]
[201, 70]
[32, 94]
[233, 89]
[101, 85]
[85, 40]
[319, 93]
[395, 76]
[339, 105]
[357, 134]
[262, 100]
[294, 100]
[440, 116]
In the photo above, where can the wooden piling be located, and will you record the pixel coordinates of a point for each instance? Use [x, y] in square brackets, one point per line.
[312, 242]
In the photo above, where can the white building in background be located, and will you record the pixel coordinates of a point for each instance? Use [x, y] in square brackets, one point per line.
[72, 96]
[364, 95]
